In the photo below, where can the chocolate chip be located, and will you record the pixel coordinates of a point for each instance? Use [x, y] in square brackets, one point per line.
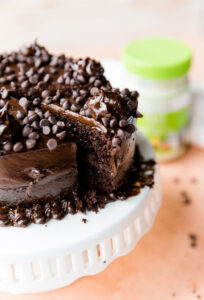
[130, 128]
[46, 78]
[131, 105]
[17, 147]
[36, 101]
[33, 79]
[44, 122]
[122, 123]
[113, 123]
[26, 130]
[94, 91]
[65, 105]
[79, 100]
[32, 116]
[52, 120]
[120, 133]
[30, 143]
[48, 100]
[61, 124]
[60, 79]
[47, 114]
[116, 141]
[30, 72]
[8, 147]
[46, 130]
[38, 62]
[97, 83]
[33, 135]
[24, 103]
[55, 129]
[20, 115]
[52, 144]
[124, 92]
[75, 108]
[25, 120]
[2, 103]
[35, 125]
[24, 84]
[61, 135]
[45, 93]
[4, 93]
[105, 121]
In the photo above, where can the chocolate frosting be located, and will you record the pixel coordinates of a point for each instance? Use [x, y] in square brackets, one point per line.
[38, 174]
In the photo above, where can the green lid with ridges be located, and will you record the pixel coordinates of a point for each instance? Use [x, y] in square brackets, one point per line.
[157, 58]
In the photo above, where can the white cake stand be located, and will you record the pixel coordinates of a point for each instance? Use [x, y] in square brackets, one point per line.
[44, 257]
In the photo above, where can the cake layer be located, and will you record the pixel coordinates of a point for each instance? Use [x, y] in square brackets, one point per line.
[38, 175]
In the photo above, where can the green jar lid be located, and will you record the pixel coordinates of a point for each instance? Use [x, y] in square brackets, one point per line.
[158, 58]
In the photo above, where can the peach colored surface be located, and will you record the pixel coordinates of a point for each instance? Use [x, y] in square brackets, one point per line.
[163, 265]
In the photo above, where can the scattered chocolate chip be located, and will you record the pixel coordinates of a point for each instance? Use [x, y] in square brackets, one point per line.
[186, 198]
[30, 143]
[52, 120]
[17, 147]
[8, 147]
[75, 108]
[4, 93]
[35, 125]
[193, 239]
[52, 144]
[130, 128]
[24, 84]
[61, 124]
[94, 91]
[33, 135]
[120, 133]
[105, 121]
[2, 103]
[44, 122]
[122, 123]
[20, 115]
[32, 116]
[24, 103]
[54, 129]
[113, 123]
[48, 100]
[45, 93]
[84, 220]
[46, 78]
[176, 180]
[46, 130]
[36, 101]
[61, 135]
[26, 130]
[116, 141]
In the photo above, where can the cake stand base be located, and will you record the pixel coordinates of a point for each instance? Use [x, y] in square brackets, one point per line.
[40, 258]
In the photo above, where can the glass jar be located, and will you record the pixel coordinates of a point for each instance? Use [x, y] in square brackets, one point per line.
[157, 68]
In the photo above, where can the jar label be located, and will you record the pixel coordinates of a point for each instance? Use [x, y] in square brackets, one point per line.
[166, 131]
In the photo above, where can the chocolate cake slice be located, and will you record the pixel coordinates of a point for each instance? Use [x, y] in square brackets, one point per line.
[62, 128]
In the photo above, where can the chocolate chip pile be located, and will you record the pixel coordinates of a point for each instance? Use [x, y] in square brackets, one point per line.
[33, 81]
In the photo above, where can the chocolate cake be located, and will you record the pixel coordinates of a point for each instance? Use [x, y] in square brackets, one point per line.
[63, 129]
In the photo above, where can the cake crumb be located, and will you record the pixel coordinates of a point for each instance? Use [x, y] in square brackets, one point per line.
[199, 297]
[194, 180]
[104, 261]
[186, 198]
[173, 294]
[193, 239]
[84, 220]
[176, 180]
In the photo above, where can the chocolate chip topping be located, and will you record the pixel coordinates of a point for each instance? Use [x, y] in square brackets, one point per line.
[32, 80]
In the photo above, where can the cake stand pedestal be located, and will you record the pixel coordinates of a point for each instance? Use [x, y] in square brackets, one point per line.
[44, 257]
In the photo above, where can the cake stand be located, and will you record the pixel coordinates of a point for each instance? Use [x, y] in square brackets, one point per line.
[44, 257]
